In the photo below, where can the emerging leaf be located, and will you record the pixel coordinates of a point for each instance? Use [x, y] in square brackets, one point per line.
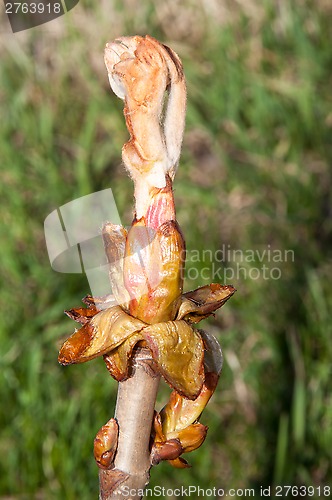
[179, 413]
[178, 350]
[118, 360]
[106, 330]
[202, 302]
[140, 70]
[191, 438]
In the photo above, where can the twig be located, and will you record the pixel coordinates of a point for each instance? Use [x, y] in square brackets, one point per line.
[145, 329]
[134, 414]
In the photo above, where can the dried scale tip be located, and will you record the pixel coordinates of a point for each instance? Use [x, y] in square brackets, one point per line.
[146, 264]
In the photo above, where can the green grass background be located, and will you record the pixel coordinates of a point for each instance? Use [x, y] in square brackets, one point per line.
[255, 171]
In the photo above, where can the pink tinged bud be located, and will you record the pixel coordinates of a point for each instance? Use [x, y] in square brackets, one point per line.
[161, 208]
[153, 270]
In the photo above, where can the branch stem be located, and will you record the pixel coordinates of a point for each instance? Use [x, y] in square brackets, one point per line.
[134, 414]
